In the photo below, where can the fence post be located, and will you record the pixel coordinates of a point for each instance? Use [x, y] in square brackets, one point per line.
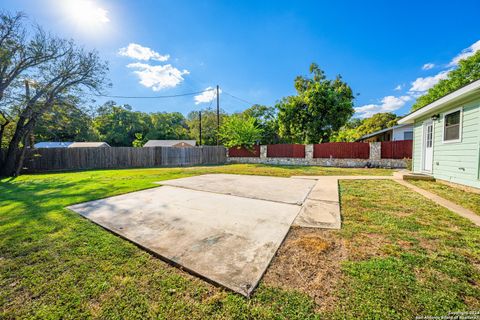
[309, 152]
[375, 151]
[263, 152]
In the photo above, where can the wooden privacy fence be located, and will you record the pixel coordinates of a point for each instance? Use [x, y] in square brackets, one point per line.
[39, 160]
[397, 149]
[286, 151]
[243, 152]
[342, 150]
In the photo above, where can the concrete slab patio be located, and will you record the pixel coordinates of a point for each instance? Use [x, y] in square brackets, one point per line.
[227, 239]
[286, 190]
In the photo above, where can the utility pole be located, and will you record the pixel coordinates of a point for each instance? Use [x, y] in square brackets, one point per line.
[200, 125]
[218, 114]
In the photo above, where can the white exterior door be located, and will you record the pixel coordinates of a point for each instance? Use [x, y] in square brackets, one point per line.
[427, 146]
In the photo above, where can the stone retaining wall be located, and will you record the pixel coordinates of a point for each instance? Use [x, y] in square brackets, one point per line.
[374, 161]
[347, 163]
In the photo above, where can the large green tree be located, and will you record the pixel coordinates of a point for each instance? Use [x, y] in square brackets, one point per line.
[266, 120]
[357, 128]
[378, 121]
[118, 124]
[65, 122]
[240, 130]
[39, 72]
[348, 132]
[320, 108]
[167, 126]
[467, 71]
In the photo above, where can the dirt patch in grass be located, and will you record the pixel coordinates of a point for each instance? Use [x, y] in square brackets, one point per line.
[309, 261]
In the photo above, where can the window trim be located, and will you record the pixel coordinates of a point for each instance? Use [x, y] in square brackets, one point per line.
[460, 126]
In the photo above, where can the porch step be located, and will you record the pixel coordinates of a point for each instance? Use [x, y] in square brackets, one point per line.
[407, 175]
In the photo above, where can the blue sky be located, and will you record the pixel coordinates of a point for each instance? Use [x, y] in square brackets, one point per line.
[389, 52]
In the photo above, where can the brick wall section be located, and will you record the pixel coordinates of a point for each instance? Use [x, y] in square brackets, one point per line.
[374, 160]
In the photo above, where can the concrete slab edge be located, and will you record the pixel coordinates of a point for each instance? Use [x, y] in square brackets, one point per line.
[246, 294]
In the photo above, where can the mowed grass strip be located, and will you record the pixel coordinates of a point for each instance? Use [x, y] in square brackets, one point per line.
[461, 196]
[405, 255]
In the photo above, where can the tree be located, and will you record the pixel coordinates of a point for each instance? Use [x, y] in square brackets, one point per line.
[139, 141]
[19, 54]
[348, 132]
[266, 119]
[209, 125]
[357, 128]
[377, 122]
[468, 70]
[118, 124]
[167, 126]
[73, 71]
[240, 130]
[320, 108]
[66, 122]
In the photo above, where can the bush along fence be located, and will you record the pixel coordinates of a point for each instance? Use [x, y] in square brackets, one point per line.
[60, 159]
[391, 154]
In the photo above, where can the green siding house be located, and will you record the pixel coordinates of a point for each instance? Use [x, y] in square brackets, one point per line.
[446, 137]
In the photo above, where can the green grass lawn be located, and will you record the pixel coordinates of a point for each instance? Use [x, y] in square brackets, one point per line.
[405, 256]
[467, 199]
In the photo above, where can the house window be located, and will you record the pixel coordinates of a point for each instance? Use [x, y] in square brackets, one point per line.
[408, 135]
[452, 129]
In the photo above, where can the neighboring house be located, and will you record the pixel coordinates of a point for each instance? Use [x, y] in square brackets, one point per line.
[89, 145]
[171, 143]
[46, 145]
[446, 138]
[43, 145]
[395, 133]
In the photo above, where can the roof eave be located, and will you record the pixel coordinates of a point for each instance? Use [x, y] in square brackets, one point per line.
[464, 92]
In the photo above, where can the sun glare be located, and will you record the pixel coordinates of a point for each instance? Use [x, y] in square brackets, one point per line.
[85, 15]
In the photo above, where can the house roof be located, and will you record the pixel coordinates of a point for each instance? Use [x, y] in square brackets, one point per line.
[381, 131]
[88, 144]
[40, 145]
[168, 143]
[464, 92]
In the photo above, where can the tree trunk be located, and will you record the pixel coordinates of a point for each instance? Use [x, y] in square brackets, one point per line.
[2, 130]
[21, 158]
[13, 160]
[8, 166]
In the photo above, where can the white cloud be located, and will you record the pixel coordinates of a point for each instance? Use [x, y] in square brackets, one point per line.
[388, 104]
[421, 85]
[138, 52]
[428, 66]
[470, 51]
[158, 77]
[208, 95]
[418, 87]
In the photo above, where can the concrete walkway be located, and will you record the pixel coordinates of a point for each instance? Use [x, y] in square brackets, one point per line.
[470, 215]
[323, 203]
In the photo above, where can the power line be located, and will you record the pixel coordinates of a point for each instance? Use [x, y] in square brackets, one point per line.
[154, 97]
[240, 99]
